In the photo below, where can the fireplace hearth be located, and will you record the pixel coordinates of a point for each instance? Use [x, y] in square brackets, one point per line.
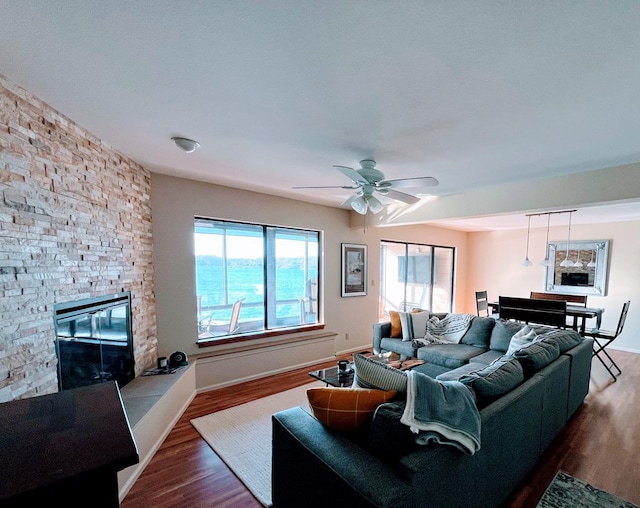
[94, 341]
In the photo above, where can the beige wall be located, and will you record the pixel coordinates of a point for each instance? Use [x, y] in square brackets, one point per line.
[495, 264]
[176, 201]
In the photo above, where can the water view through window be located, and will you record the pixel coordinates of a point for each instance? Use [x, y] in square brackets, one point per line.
[252, 277]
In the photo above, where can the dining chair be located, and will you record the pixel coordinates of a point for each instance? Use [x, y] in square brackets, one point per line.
[603, 338]
[580, 300]
[482, 304]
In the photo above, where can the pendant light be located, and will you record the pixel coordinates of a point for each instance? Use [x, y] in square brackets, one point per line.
[592, 263]
[546, 261]
[566, 261]
[578, 264]
[526, 261]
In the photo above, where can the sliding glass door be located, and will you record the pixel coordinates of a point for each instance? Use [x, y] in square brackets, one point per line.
[415, 276]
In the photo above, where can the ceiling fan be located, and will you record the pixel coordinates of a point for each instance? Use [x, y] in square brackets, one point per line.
[367, 180]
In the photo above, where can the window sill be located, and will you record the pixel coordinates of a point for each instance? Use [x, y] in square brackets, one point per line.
[244, 338]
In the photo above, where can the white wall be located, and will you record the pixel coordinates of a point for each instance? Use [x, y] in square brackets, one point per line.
[495, 264]
[176, 201]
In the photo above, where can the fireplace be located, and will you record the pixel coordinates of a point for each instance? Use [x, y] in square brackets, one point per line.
[94, 342]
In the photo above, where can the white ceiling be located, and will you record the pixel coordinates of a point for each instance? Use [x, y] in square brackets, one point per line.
[472, 93]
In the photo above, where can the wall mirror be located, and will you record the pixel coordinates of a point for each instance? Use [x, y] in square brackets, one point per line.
[587, 273]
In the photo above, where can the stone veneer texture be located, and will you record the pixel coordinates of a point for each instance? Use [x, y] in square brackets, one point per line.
[75, 222]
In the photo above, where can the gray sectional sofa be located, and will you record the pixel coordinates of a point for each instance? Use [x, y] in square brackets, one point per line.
[314, 465]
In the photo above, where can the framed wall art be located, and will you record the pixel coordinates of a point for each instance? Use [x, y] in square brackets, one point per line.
[354, 269]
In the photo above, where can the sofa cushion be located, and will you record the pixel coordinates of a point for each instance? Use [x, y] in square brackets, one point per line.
[479, 333]
[521, 338]
[448, 355]
[372, 374]
[536, 355]
[494, 380]
[456, 374]
[431, 369]
[565, 339]
[388, 438]
[346, 409]
[487, 357]
[396, 326]
[501, 334]
[399, 346]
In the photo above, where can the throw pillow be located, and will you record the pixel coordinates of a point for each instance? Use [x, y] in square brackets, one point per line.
[372, 374]
[413, 324]
[501, 334]
[346, 409]
[494, 380]
[565, 339]
[407, 325]
[419, 322]
[521, 338]
[396, 326]
[479, 333]
[537, 355]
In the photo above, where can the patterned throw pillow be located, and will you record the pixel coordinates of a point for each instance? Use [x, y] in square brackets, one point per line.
[346, 409]
[372, 374]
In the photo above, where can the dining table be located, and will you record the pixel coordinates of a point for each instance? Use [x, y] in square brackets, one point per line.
[579, 313]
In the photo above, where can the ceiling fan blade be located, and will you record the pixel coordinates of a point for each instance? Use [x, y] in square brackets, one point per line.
[419, 181]
[401, 196]
[327, 187]
[352, 174]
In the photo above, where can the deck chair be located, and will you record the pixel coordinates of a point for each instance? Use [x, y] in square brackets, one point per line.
[482, 304]
[603, 338]
[309, 304]
[212, 328]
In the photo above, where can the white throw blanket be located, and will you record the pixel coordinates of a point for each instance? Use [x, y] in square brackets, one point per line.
[448, 330]
[444, 412]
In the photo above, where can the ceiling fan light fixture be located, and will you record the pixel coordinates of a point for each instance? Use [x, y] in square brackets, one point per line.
[185, 144]
[375, 205]
[367, 180]
[359, 205]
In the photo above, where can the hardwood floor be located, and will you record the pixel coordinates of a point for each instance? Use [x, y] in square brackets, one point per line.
[599, 445]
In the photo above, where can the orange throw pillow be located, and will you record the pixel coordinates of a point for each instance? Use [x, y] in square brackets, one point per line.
[396, 326]
[346, 409]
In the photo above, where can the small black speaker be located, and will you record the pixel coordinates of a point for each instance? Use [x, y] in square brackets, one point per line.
[178, 359]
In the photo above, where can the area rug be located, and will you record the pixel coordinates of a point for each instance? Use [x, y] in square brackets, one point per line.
[241, 436]
[565, 491]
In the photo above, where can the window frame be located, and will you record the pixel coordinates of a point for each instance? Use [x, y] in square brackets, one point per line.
[433, 273]
[269, 232]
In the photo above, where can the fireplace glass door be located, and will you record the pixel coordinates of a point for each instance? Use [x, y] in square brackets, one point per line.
[94, 341]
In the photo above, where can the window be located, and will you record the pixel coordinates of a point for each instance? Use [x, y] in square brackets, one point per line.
[415, 276]
[253, 278]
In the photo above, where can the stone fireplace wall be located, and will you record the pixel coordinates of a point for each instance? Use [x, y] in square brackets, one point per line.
[75, 222]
